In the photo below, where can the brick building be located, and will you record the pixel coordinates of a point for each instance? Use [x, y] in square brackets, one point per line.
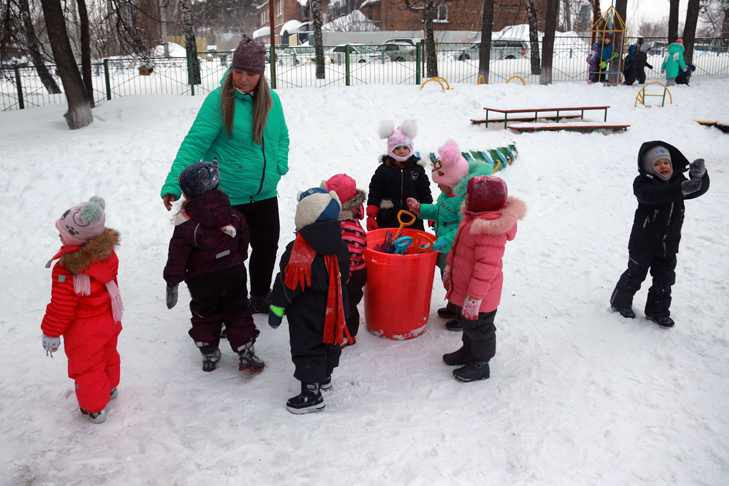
[456, 15]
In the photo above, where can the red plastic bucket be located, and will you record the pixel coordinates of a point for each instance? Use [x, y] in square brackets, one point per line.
[397, 295]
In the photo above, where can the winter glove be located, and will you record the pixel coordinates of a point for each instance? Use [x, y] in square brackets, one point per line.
[171, 296]
[51, 344]
[470, 308]
[372, 211]
[413, 205]
[603, 65]
[275, 316]
[690, 186]
[440, 245]
[447, 277]
[697, 169]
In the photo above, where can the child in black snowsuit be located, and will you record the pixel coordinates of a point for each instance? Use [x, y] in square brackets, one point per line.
[207, 251]
[636, 62]
[311, 290]
[397, 178]
[660, 189]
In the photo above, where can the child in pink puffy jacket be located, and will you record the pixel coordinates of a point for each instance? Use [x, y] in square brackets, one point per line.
[473, 276]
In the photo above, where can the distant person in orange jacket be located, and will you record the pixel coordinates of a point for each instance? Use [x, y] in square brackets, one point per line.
[86, 307]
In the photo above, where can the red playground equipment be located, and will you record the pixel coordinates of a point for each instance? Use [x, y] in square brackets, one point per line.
[397, 295]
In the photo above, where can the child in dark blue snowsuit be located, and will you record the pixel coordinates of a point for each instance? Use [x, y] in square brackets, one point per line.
[660, 189]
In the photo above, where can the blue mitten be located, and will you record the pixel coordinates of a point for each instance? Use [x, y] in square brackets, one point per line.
[440, 245]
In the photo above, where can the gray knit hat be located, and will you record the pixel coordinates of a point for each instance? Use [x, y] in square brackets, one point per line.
[250, 56]
[655, 153]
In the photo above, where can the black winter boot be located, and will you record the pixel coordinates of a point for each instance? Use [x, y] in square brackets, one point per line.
[326, 385]
[248, 359]
[211, 357]
[459, 357]
[450, 311]
[455, 325]
[308, 401]
[478, 370]
[621, 301]
[663, 321]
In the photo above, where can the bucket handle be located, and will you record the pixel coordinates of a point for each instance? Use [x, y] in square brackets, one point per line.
[401, 219]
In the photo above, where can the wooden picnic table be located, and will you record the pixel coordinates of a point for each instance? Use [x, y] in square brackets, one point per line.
[572, 127]
[509, 111]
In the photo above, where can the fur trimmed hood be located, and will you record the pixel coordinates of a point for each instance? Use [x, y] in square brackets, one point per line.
[497, 222]
[352, 206]
[96, 249]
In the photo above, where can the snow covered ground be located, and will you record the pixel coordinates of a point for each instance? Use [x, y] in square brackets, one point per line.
[578, 395]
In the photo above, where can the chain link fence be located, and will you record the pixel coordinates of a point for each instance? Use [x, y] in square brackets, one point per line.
[345, 65]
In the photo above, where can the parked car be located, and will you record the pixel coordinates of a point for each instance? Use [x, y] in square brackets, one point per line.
[393, 52]
[357, 53]
[500, 49]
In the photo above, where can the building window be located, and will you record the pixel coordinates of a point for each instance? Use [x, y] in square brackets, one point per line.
[441, 15]
[279, 8]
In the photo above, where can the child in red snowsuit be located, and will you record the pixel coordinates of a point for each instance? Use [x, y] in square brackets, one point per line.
[354, 236]
[86, 307]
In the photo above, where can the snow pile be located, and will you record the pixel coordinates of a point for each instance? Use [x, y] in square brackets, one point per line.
[577, 395]
[175, 50]
[354, 21]
[291, 26]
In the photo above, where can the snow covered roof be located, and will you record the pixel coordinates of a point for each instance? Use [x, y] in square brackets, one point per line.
[290, 26]
[262, 32]
[369, 2]
[303, 3]
[175, 50]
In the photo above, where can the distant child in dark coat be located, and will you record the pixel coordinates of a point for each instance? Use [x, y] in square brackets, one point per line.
[207, 251]
[636, 62]
[354, 236]
[397, 178]
[311, 291]
[660, 189]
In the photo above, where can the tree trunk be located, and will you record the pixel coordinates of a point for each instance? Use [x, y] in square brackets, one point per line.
[533, 36]
[429, 13]
[79, 110]
[567, 14]
[725, 24]
[86, 51]
[33, 45]
[621, 7]
[193, 64]
[550, 25]
[484, 50]
[673, 21]
[596, 15]
[689, 29]
[318, 40]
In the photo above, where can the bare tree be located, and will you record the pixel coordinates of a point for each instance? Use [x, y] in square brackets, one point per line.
[79, 109]
[653, 29]
[596, 15]
[689, 29]
[429, 10]
[532, 15]
[484, 50]
[550, 25]
[673, 20]
[33, 45]
[318, 40]
[193, 64]
[83, 15]
[567, 14]
[621, 7]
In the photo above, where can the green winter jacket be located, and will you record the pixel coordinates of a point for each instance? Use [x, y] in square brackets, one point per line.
[249, 172]
[674, 60]
[446, 212]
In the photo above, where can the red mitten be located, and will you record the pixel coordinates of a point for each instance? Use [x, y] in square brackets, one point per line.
[372, 211]
[298, 269]
[470, 308]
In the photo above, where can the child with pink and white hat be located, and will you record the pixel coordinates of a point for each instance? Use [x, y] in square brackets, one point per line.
[86, 307]
[398, 178]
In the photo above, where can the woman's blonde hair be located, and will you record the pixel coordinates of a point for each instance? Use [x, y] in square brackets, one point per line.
[261, 106]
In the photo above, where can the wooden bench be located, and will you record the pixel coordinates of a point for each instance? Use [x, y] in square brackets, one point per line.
[511, 111]
[480, 121]
[724, 127]
[572, 127]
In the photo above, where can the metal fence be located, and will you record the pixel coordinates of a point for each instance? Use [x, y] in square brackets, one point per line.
[350, 65]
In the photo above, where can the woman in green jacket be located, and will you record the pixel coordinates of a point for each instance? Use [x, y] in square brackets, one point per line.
[241, 125]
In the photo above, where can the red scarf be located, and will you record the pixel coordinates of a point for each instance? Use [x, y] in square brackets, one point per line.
[298, 273]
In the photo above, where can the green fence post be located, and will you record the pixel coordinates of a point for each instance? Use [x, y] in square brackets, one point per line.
[346, 66]
[107, 79]
[272, 59]
[19, 86]
[418, 56]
